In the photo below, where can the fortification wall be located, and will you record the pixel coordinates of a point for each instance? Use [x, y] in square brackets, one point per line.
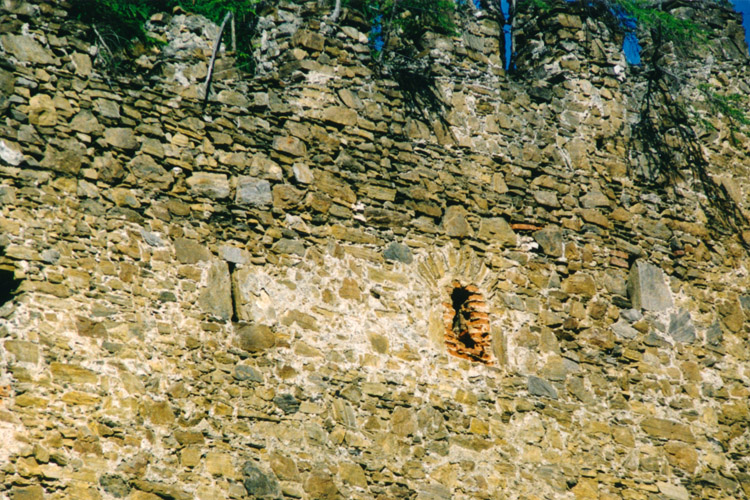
[313, 288]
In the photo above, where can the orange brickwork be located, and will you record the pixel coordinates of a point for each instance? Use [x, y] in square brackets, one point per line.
[467, 324]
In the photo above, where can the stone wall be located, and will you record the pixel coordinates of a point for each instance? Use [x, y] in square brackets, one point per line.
[258, 298]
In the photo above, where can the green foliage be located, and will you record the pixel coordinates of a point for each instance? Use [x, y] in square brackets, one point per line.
[120, 22]
[730, 107]
[651, 17]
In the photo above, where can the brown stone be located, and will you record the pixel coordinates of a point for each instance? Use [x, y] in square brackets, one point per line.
[350, 289]
[319, 484]
[403, 421]
[667, 429]
[255, 337]
[455, 223]
[580, 284]
[42, 111]
[24, 351]
[190, 251]
[289, 145]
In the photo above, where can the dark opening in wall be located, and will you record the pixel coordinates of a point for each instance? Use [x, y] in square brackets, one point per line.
[467, 324]
[8, 285]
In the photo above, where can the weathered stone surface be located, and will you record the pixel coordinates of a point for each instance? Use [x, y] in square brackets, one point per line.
[551, 240]
[580, 283]
[150, 173]
[259, 484]
[623, 330]
[190, 251]
[214, 186]
[115, 485]
[287, 403]
[121, 137]
[667, 429]
[647, 287]
[681, 326]
[255, 337]
[216, 297]
[540, 387]
[455, 223]
[320, 484]
[23, 351]
[253, 191]
[64, 156]
[10, 154]
[322, 194]
[290, 145]
[398, 252]
[497, 230]
[26, 48]
[42, 111]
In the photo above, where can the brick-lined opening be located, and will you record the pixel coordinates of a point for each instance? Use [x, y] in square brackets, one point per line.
[467, 324]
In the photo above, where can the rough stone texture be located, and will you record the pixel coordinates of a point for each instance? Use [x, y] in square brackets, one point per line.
[251, 299]
[647, 288]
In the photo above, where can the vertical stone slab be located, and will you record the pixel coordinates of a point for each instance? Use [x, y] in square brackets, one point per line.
[216, 298]
[648, 288]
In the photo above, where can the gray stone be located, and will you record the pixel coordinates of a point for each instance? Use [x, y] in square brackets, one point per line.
[253, 191]
[542, 388]
[258, 484]
[234, 255]
[148, 171]
[745, 303]
[255, 337]
[681, 327]
[214, 186]
[216, 297]
[50, 256]
[714, 335]
[244, 372]
[152, 238]
[398, 252]
[551, 240]
[289, 246]
[121, 137]
[497, 230]
[10, 154]
[25, 48]
[454, 222]
[647, 287]
[631, 315]
[288, 403]
[623, 330]
[115, 485]
[190, 251]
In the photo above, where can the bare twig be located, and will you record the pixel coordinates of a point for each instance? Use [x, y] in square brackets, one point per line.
[217, 44]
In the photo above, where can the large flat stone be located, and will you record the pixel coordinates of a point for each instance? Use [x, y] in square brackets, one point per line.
[648, 288]
[216, 297]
